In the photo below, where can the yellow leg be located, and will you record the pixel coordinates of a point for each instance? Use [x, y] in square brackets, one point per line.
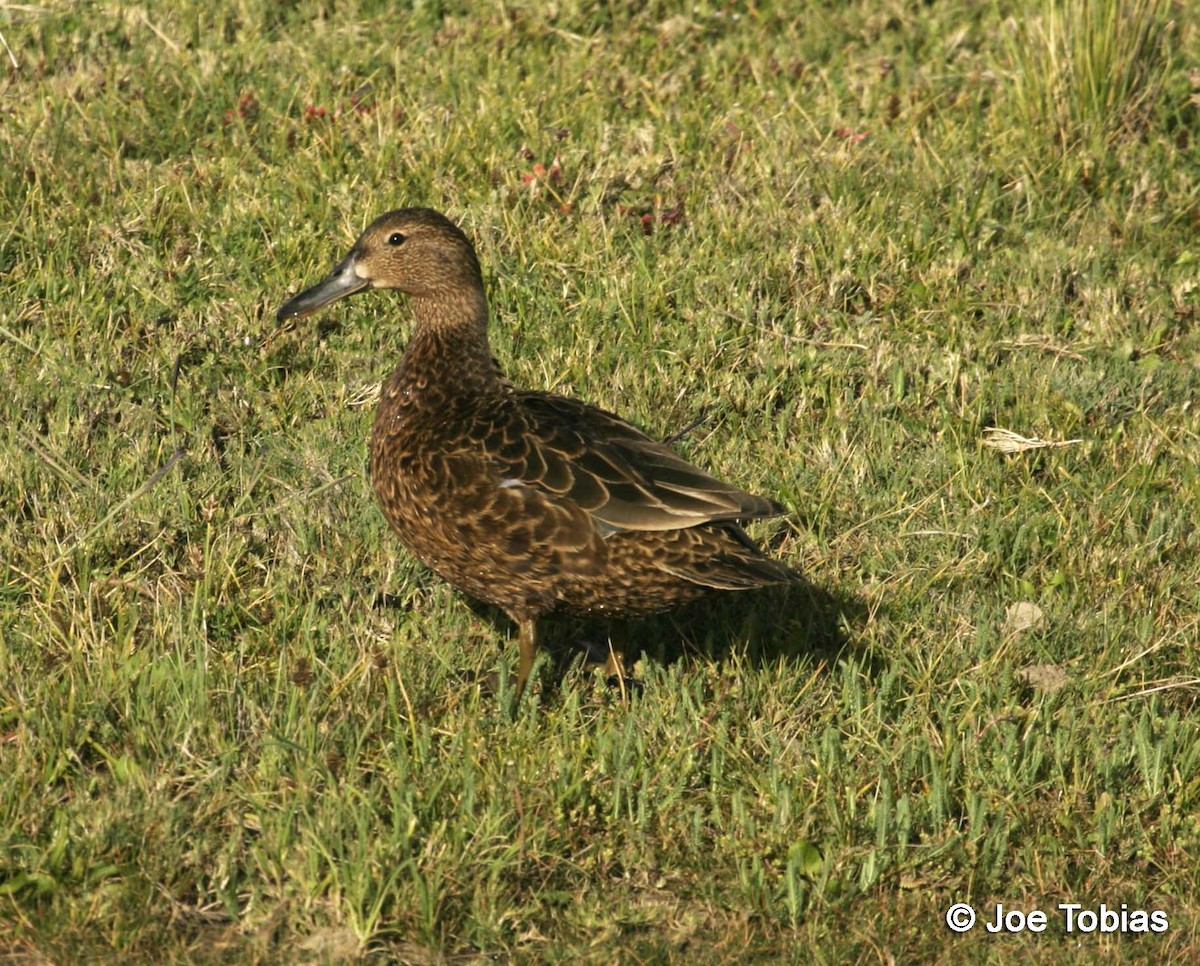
[615, 665]
[528, 640]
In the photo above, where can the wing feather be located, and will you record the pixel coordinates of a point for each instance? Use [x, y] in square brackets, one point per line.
[611, 469]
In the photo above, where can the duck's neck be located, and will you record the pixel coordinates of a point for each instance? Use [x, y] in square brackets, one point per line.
[448, 359]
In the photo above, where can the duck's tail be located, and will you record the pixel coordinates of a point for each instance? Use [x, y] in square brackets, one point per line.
[733, 562]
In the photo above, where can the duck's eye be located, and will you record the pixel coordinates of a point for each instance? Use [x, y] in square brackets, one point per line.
[395, 238]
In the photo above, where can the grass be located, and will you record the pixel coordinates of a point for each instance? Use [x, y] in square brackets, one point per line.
[1088, 69]
[232, 721]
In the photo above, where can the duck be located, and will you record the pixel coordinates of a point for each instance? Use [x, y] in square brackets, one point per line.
[533, 502]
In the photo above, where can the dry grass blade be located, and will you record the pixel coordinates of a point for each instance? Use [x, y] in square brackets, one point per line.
[1006, 441]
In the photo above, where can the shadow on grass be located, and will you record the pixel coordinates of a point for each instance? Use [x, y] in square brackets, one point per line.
[800, 622]
[803, 621]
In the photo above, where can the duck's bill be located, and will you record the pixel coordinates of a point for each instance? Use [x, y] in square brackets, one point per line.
[342, 281]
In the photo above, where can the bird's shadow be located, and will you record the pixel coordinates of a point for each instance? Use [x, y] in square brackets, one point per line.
[798, 622]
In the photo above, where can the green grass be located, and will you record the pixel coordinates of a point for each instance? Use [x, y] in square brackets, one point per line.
[233, 725]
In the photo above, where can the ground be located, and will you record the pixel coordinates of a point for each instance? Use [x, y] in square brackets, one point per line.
[843, 242]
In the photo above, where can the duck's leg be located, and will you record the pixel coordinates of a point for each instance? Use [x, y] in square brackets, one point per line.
[528, 642]
[614, 665]
[615, 669]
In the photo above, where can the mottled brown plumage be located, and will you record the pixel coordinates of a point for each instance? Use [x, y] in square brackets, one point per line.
[530, 501]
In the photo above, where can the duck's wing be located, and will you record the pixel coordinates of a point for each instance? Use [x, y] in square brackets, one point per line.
[599, 462]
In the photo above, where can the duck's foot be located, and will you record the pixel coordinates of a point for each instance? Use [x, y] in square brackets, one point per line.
[581, 654]
[627, 687]
[591, 656]
[596, 654]
[488, 682]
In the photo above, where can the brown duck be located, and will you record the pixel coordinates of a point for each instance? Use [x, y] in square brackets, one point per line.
[528, 500]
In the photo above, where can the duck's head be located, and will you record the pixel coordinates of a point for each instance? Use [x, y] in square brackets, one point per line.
[413, 250]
